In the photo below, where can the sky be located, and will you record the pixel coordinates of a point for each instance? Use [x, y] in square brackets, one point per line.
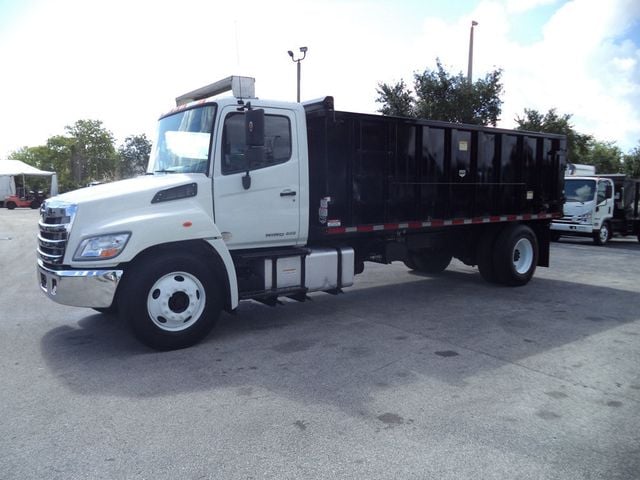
[125, 61]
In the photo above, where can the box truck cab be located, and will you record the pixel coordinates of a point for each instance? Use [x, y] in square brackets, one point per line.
[588, 209]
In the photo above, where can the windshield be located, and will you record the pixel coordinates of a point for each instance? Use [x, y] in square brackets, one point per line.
[579, 190]
[182, 141]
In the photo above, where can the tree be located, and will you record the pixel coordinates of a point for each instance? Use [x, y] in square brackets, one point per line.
[397, 100]
[86, 153]
[93, 156]
[578, 145]
[440, 95]
[631, 164]
[606, 157]
[134, 155]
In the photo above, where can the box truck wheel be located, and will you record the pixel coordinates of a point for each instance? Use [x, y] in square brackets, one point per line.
[112, 310]
[515, 255]
[602, 236]
[429, 261]
[171, 300]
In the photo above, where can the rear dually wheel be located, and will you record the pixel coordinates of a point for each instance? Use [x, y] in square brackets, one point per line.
[515, 255]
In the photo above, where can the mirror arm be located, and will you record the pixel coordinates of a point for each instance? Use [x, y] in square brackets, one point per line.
[246, 181]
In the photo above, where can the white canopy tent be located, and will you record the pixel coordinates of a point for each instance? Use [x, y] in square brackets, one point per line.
[12, 168]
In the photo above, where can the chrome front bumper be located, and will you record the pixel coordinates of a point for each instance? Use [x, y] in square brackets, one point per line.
[79, 288]
[571, 227]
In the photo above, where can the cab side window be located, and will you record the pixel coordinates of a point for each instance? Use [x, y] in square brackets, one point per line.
[277, 131]
[602, 191]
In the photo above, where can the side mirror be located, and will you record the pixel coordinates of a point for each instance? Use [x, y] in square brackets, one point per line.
[254, 128]
[608, 191]
[254, 139]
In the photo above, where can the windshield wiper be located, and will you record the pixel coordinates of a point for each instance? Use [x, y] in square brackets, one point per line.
[164, 170]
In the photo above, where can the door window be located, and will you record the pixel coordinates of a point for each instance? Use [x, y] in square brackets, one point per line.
[277, 131]
[602, 191]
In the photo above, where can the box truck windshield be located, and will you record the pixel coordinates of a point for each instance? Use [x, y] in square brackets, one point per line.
[579, 190]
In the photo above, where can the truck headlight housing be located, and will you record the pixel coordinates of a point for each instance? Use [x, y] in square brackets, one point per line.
[102, 247]
[585, 218]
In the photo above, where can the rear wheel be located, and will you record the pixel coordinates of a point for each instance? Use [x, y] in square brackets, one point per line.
[428, 261]
[35, 204]
[484, 255]
[602, 236]
[173, 302]
[106, 310]
[11, 205]
[515, 255]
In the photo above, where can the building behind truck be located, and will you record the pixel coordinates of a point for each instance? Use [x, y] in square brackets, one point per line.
[255, 199]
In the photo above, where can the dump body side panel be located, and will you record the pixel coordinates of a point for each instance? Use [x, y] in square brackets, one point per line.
[370, 171]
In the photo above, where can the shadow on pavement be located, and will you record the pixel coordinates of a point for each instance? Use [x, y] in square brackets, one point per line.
[340, 350]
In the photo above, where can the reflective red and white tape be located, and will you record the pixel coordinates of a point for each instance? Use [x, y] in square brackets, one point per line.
[441, 223]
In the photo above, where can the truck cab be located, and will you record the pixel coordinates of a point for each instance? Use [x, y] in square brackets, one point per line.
[588, 209]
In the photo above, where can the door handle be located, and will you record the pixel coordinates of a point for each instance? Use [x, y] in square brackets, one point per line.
[287, 193]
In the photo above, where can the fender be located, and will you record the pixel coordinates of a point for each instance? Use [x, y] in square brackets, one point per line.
[222, 250]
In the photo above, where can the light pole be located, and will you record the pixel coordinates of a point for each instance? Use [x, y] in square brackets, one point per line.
[470, 69]
[304, 54]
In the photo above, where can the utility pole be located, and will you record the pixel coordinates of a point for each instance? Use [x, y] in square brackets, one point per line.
[303, 50]
[470, 69]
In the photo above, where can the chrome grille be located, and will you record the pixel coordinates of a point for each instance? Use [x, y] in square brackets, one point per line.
[55, 224]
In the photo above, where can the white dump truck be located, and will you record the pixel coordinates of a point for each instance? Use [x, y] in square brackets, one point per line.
[247, 198]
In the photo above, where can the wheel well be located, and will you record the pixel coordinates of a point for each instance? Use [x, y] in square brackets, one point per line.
[198, 248]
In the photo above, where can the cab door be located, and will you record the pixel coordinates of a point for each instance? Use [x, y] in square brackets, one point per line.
[262, 210]
[604, 201]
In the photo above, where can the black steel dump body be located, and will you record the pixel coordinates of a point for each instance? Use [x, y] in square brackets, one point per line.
[626, 213]
[371, 173]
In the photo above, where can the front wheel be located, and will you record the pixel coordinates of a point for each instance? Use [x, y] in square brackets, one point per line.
[11, 205]
[171, 301]
[515, 255]
[602, 236]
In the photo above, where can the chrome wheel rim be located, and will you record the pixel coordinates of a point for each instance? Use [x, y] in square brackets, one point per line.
[176, 301]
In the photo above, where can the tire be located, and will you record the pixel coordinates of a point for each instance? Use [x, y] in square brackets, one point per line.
[428, 261]
[554, 236]
[484, 255]
[602, 236]
[11, 205]
[112, 310]
[171, 301]
[515, 255]
[35, 204]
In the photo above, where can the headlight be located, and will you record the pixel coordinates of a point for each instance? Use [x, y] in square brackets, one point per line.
[102, 247]
[586, 218]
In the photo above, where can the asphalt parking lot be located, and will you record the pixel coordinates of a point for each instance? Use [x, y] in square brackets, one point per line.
[402, 377]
